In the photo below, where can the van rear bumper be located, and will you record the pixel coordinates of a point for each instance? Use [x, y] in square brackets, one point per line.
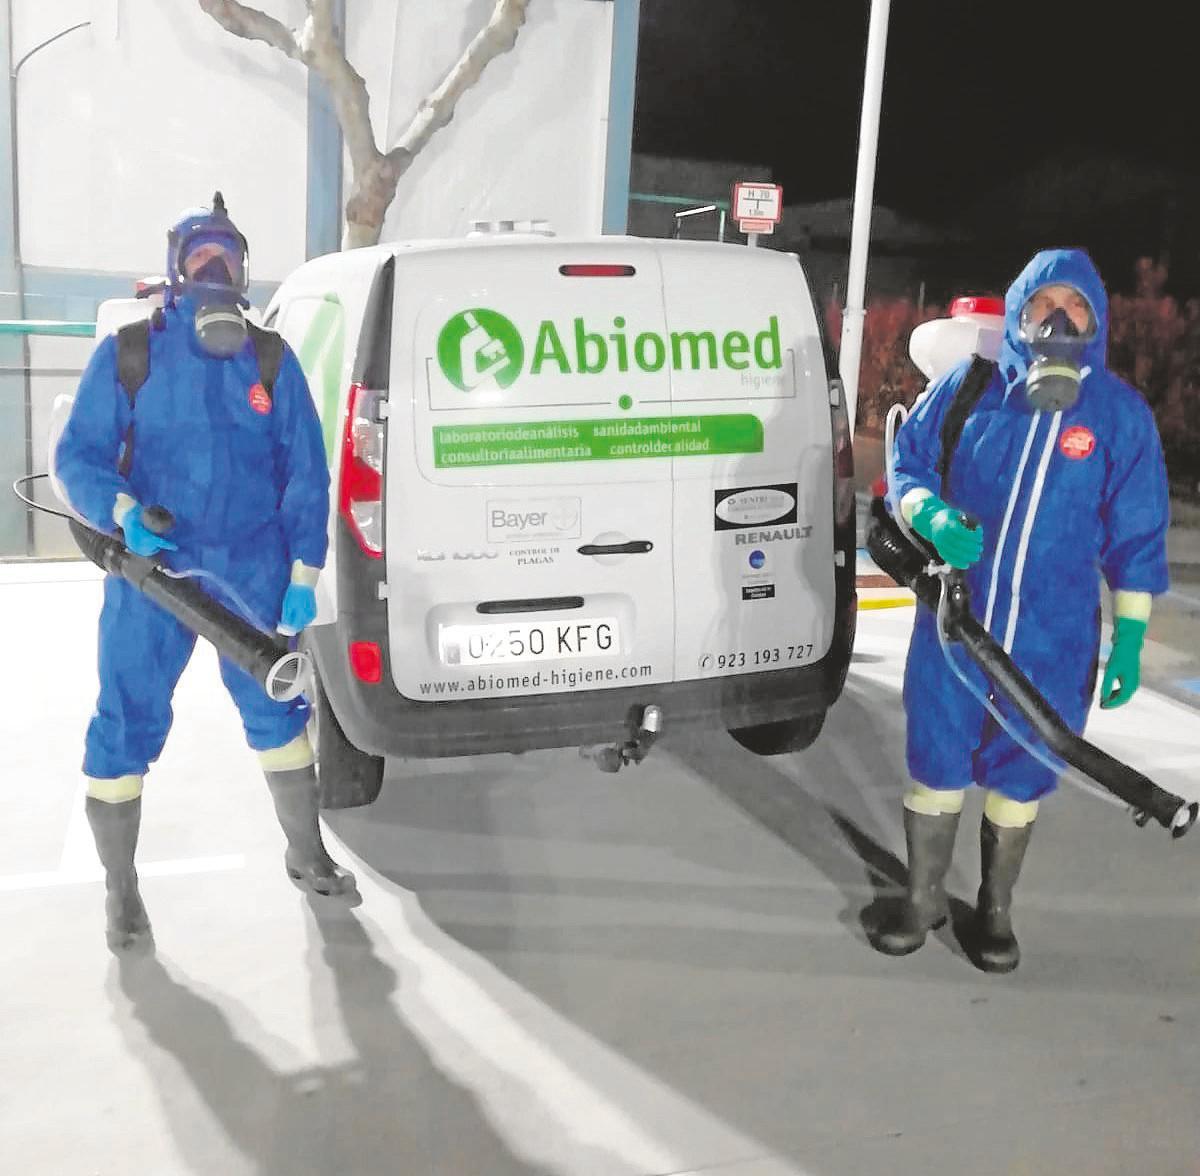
[381, 721]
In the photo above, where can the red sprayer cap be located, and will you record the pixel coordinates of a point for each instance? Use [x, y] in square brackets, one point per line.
[977, 305]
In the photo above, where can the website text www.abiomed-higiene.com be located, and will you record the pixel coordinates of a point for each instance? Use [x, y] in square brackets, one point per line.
[486, 683]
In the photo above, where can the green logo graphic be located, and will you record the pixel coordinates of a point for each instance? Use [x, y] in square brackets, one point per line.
[478, 347]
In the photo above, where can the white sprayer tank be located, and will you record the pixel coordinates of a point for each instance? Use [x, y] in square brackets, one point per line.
[974, 326]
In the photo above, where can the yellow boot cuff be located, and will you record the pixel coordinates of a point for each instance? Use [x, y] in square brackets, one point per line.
[289, 758]
[1009, 814]
[116, 791]
[934, 802]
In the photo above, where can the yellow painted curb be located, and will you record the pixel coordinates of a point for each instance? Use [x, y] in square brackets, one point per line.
[886, 602]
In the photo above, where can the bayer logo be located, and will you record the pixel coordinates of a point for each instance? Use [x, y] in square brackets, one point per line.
[757, 559]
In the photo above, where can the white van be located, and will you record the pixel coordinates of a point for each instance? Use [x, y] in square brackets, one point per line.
[572, 480]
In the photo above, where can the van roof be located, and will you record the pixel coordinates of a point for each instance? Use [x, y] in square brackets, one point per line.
[511, 240]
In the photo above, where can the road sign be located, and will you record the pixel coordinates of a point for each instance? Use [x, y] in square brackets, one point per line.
[757, 202]
[757, 225]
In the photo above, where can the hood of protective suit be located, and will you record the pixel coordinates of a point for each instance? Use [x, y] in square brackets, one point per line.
[1052, 267]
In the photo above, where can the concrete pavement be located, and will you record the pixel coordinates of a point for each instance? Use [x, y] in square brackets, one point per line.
[555, 971]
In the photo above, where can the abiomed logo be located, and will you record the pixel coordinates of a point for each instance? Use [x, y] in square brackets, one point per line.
[480, 345]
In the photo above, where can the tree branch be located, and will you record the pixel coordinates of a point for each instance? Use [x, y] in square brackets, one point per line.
[316, 45]
[498, 36]
[253, 25]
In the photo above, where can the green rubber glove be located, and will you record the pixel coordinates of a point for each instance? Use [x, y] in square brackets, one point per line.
[959, 545]
[1124, 663]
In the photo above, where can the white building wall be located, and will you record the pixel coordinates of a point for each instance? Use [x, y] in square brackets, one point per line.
[528, 141]
[124, 125]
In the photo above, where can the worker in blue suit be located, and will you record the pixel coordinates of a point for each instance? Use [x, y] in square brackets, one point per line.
[1057, 481]
[243, 471]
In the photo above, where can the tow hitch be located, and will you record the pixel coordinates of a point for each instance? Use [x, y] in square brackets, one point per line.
[612, 757]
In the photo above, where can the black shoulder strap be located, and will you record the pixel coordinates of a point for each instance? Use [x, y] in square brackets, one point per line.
[133, 366]
[268, 347]
[133, 356]
[970, 391]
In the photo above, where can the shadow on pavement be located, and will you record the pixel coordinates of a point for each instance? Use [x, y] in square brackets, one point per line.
[209, 1059]
[842, 833]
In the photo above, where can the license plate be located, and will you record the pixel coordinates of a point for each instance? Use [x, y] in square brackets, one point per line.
[526, 641]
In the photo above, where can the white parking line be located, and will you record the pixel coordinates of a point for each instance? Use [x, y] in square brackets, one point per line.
[1174, 594]
[51, 878]
[79, 864]
[556, 1096]
[1173, 763]
[79, 847]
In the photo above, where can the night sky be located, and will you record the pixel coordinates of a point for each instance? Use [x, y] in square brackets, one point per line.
[1096, 114]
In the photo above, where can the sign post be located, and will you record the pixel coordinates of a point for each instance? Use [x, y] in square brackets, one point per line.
[758, 208]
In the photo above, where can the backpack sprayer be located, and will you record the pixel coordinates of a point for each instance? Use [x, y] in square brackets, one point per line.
[909, 560]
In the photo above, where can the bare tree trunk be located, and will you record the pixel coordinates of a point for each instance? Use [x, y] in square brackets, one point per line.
[371, 193]
[375, 175]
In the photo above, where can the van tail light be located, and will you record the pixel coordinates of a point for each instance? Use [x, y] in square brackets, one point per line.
[360, 489]
[597, 271]
[366, 660]
[843, 452]
[843, 448]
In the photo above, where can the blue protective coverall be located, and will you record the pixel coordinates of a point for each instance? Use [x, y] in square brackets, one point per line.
[1062, 498]
[248, 483]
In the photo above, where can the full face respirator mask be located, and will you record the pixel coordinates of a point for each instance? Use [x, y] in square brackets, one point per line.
[209, 265]
[1057, 343]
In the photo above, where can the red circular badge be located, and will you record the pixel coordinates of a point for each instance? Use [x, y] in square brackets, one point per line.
[1078, 442]
[260, 401]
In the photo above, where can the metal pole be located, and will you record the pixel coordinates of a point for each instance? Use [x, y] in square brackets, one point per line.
[324, 219]
[752, 240]
[622, 91]
[864, 190]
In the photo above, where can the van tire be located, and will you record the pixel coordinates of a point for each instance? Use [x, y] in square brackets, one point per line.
[347, 777]
[781, 737]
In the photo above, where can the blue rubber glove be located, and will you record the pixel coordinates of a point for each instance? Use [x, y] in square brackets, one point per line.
[299, 609]
[138, 539]
[959, 545]
[1124, 663]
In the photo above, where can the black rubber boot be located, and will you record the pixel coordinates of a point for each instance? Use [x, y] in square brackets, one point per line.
[307, 862]
[930, 846]
[115, 828]
[1001, 852]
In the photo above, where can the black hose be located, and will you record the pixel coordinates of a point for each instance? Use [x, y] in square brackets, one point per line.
[281, 672]
[896, 556]
[58, 514]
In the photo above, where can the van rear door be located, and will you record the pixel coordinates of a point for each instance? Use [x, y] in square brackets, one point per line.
[529, 531]
[753, 523]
